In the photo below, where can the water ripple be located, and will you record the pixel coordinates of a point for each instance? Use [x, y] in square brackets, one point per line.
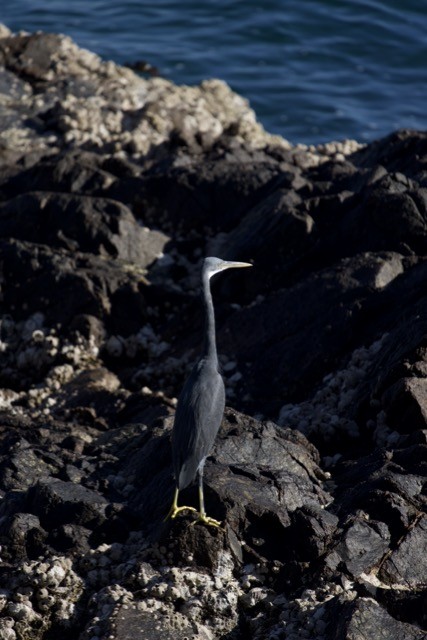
[313, 70]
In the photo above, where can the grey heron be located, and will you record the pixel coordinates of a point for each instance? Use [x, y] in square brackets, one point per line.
[200, 405]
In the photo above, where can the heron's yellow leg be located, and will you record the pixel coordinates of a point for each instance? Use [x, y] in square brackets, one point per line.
[202, 513]
[174, 510]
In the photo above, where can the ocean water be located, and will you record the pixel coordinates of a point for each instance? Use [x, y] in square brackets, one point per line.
[313, 70]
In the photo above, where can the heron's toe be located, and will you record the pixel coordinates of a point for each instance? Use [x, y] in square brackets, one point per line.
[211, 522]
[175, 510]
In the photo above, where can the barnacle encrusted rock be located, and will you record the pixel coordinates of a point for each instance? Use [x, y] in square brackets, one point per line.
[103, 106]
[41, 595]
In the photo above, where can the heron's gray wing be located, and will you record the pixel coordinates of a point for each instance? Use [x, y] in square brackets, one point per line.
[197, 420]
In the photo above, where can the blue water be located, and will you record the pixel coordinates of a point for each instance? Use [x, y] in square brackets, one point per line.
[313, 70]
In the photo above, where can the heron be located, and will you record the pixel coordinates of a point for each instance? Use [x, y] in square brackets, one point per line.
[200, 405]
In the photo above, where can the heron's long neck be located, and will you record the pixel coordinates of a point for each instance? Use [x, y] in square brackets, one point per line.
[209, 346]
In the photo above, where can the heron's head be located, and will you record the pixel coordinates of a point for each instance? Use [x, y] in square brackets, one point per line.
[211, 266]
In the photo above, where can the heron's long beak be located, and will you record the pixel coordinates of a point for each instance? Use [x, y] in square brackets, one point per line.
[236, 265]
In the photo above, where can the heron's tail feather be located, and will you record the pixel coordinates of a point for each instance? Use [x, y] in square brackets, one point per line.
[188, 471]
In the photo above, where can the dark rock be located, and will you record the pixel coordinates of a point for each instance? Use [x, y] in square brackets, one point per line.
[203, 544]
[281, 459]
[57, 502]
[20, 466]
[71, 538]
[406, 565]
[72, 172]
[403, 151]
[313, 530]
[274, 227]
[405, 219]
[412, 458]
[80, 223]
[140, 408]
[406, 404]
[213, 195]
[363, 546]
[364, 619]
[407, 605]
[307, 327]
[381, 471]
[391, 508]
[22, 535]
[64, 284]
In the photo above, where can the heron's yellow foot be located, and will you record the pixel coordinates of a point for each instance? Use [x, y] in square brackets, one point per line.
[179, 509]
[174, 510]
[211, 522]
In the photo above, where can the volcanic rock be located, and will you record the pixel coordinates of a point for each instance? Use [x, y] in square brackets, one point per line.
[112, 189]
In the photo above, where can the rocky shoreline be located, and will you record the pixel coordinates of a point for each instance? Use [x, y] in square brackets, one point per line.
[112, 189]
